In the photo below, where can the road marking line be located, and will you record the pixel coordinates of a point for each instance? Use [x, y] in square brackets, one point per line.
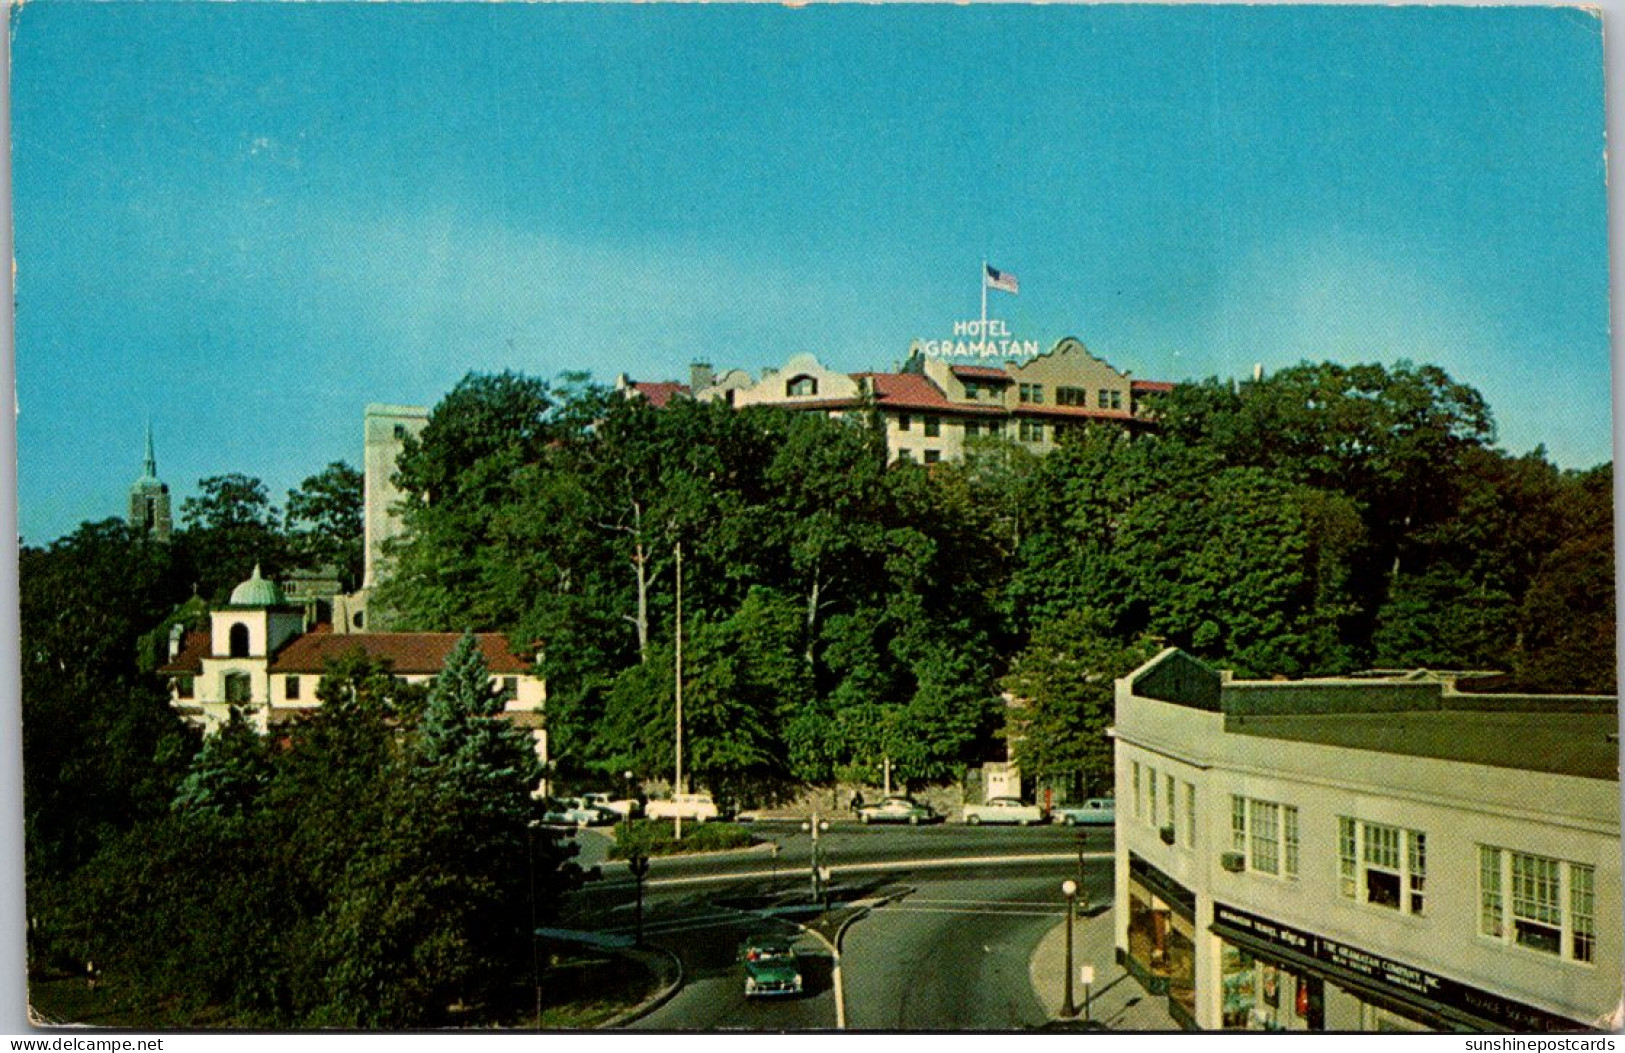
[966, 910]
[986, 902]
[900, 864]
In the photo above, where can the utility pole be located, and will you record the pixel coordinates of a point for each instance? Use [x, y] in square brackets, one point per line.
[677, 789]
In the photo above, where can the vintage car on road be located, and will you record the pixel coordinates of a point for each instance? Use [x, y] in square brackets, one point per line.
[1096, 811]
[623, 807]
[770, 966]
[696, 806]
[573, 811]
[897, 810]
[1003, 810]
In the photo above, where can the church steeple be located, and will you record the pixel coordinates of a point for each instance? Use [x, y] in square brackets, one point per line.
[149, 498]
[149, 468]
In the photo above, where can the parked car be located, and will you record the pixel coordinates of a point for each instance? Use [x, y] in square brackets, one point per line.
[897, 810]
[1096, 811]
[1003, 810]
[770, 966]
[697, 806]
[623, 807]
[573, 811]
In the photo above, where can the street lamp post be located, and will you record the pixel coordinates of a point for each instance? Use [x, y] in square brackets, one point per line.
[816, 826]
[535, 959]
[1069, 889]
[638, 864]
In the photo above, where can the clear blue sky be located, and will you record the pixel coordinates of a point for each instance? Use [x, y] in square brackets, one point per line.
[246, 221]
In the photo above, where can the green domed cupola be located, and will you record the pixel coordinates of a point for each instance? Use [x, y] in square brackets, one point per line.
[257, 592]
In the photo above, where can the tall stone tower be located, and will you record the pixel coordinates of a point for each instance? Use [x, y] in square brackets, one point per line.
[149, 499]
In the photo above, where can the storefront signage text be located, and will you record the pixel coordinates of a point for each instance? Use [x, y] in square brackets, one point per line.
[1385, 973]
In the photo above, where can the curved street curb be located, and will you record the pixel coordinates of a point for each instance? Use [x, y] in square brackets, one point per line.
[654, 1001]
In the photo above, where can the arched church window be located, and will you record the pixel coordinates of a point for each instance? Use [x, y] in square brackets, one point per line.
[238, 641]
[802, 385]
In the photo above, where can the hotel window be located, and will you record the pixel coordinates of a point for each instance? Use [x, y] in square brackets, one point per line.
[1381, 865]
[507, 689]
[904, 422]
[1110, 399]
[1266, 832]
[905, 456]
[1071, 397]
[1173, 805]
[238, 688]
[1553, 902]
[933, 456]
[1031, 431]
[1033, 393]
[995, 427]
[1151, 799]
[1137, 810]
[183, 687]
[933, 427]
[971, 429]
[1190, 814]
[801, 386]
[290, 688]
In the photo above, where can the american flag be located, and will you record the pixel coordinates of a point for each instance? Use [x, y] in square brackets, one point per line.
[997, 279]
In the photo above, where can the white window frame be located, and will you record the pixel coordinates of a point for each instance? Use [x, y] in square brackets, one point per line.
[1509, 879]
[1365, 848]
[1267, 834]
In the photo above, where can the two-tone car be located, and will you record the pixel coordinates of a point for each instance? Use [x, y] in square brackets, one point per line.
[696, 806]
[1096, 811]
[771, 967]
[897, 810]
[1010, 810]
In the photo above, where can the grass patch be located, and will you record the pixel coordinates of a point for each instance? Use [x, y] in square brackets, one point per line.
[654, 837]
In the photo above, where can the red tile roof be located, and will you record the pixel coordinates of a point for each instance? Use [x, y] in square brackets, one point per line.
[914, 391]
[190, 657]
[1151, 385]
[1029, 410]
[980, 372]
[659, 392]
[408, 653]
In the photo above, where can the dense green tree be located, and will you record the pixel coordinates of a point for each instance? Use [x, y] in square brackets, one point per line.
[1063, 687]
[324, 521]
[229, 528]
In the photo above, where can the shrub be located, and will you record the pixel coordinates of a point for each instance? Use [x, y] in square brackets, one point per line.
[654, 837]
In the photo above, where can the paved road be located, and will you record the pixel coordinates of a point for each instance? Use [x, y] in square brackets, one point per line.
[978, 898]
[955, 952]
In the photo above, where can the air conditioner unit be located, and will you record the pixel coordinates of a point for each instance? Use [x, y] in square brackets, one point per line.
[1234, 862]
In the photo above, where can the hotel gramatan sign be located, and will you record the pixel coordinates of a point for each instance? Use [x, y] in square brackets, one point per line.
[976, 338]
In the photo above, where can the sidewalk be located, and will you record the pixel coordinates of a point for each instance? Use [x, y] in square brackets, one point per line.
[1117, 1001]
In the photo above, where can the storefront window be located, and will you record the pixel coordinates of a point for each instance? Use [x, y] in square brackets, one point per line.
[1262, 996]
[1182, 963]
[1148, 930]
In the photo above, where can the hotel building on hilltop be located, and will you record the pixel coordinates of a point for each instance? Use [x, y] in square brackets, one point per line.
[932, 405]
[1367, 854]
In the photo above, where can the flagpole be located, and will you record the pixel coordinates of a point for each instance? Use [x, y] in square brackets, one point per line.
[984, 300]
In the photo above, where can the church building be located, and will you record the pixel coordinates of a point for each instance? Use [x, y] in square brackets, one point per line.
[149, 499]
[260, 655]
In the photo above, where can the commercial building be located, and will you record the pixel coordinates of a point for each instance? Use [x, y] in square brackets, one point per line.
[262, 656]
[1367, 854]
